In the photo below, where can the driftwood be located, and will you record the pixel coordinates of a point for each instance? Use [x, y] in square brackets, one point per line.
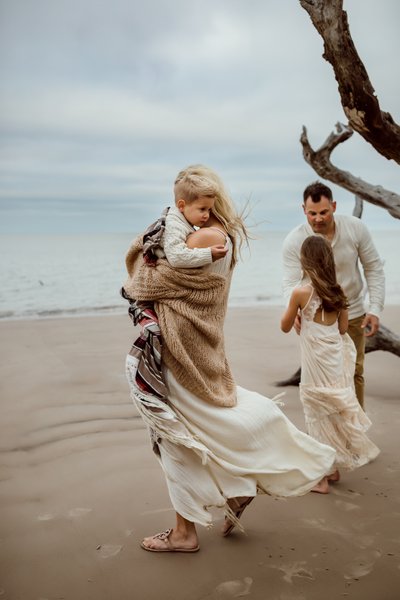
[320, 161]
[357, 94]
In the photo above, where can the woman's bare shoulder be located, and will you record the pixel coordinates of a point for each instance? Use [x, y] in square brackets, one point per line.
[203, 238]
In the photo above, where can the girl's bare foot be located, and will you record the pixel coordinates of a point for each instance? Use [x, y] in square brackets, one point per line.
[322, 487]
[334, 476]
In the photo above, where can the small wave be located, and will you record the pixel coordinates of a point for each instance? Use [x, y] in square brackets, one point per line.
[6, 314]
[63, 312]
[259, 300]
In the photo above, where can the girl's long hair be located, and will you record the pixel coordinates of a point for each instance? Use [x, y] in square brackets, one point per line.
[198, 180]
[317, 260]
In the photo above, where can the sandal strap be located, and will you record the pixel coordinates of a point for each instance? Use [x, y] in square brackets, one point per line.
[163, 535]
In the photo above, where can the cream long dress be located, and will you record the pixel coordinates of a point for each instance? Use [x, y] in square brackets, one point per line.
[331, 409]
[210, 453]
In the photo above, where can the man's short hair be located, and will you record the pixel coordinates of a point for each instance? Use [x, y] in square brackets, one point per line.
[316, 190]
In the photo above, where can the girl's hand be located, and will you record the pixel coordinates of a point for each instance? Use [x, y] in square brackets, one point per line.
[297, 323]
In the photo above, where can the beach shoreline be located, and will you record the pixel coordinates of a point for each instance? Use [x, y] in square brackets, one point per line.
[80, 485]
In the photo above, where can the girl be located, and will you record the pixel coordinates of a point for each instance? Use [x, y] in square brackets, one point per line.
[332, 412]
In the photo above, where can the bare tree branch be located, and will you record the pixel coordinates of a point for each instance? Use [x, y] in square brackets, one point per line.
[319, 160]
[357, 94]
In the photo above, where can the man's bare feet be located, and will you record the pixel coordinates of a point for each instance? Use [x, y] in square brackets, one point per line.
[171, 541]
[322, 487]
[334, 477]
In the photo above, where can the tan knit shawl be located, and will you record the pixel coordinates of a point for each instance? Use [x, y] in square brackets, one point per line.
[191, 306]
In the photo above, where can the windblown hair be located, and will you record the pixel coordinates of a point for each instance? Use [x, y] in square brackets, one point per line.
[316, 190]
[197, 181]
[317, 261]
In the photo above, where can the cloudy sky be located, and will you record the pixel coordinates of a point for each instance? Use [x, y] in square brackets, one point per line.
[103, 102]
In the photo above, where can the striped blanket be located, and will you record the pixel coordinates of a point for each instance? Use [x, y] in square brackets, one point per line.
[152, 249]
[147, 349]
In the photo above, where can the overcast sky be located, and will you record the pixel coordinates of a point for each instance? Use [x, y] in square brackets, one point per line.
[104, 101]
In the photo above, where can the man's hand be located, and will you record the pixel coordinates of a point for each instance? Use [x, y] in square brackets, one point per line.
[370, 324]
[218, 252]
[297, 323]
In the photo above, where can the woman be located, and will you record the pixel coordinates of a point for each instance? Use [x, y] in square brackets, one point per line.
[219, 445]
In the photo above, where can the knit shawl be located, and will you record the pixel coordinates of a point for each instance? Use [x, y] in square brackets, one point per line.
[191, 306]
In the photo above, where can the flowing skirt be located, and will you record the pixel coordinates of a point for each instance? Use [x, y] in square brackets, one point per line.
[331, 409]
[211, 453]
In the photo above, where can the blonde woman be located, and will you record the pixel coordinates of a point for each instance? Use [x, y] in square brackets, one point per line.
[219, 445]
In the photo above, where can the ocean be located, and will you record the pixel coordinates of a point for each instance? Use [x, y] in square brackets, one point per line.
[66, 275]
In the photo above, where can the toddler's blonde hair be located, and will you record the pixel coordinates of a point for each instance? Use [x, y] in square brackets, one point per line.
[197, 181]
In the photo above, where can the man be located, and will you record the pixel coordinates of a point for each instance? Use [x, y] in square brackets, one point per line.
[352, 246]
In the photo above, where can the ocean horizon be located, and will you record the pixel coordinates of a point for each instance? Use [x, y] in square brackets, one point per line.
[75, 275]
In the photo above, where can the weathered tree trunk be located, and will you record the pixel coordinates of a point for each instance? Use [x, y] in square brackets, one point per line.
[385, 340]
[320, 161]
[357, 94]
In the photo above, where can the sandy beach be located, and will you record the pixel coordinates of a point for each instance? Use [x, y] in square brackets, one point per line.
[80, 486]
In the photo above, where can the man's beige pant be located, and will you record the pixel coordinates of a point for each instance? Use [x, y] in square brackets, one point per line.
[357, 335]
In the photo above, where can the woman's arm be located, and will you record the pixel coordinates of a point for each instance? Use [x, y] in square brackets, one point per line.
[295, 302]
[343, 321]
[206, 238]
[177, 252]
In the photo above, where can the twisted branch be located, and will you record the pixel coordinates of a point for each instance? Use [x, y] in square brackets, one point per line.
[319, 160]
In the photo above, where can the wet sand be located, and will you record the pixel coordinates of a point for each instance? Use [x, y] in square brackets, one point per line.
[80, 486]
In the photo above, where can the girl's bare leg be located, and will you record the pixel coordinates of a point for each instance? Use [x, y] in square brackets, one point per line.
[182, 537]
[334, 476]
[322, 487]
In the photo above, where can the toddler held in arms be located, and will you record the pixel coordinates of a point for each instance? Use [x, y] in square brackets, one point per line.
[332, 413]
[193, 207]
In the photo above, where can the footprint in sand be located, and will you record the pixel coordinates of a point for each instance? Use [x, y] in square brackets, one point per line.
[346, 505]
[324, 526]
[362, 565]
[78, 512]
[295, 569]
[46, 517]
[108, 550]
[345, 494]
[232, 589]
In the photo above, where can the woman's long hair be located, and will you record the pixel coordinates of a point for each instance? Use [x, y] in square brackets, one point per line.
[317, 260]
[198, 180]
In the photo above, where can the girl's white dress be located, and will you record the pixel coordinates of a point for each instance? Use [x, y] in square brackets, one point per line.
[332, 412]
[210, 453]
